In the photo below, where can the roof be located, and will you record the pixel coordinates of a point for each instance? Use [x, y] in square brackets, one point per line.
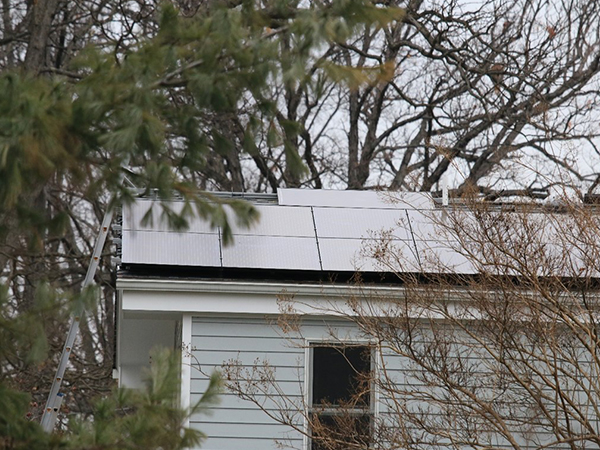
[319, 231]
[309, 230]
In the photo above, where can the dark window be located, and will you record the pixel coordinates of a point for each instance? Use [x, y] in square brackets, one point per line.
[344, 431]
[340, 397]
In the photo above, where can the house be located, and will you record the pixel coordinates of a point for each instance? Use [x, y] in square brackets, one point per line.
[272, 313]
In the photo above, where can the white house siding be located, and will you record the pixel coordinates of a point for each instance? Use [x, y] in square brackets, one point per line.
[239, 424]
[409, 389]
[253, 341]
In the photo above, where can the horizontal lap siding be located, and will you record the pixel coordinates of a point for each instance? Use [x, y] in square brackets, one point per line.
[248, 344]
[406, 387]
[253, 342]
[235, 423]
[248, 443]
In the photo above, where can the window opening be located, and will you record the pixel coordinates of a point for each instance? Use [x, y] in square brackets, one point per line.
[341, 397]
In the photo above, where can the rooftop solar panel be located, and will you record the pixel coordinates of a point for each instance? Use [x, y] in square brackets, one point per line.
[134, 215]
[342, 230]
[272, 252]
[278, 221]
[354, 199]
[437, 256]
[359, 223]
[362, 255]
[169, 248]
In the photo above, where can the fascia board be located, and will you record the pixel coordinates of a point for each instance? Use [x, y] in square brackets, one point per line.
[327, 290]
[234, 297]
[237, 297]
[237, 287]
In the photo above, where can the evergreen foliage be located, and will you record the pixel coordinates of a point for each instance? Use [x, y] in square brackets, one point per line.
[127, 419]
[149, 418]
[151, 113]
[154, 110]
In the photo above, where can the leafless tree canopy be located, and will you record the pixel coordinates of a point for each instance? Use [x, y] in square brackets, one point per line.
[499, 96]
[505, 356]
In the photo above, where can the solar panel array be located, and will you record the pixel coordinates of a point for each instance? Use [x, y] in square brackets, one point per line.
[304, 230]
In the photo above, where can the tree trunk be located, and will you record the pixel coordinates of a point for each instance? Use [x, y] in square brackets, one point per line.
[41, 22]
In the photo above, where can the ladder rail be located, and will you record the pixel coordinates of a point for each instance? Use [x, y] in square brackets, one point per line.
[55, 398]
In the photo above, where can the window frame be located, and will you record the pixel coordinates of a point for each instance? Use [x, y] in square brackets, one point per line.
[310, 344]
